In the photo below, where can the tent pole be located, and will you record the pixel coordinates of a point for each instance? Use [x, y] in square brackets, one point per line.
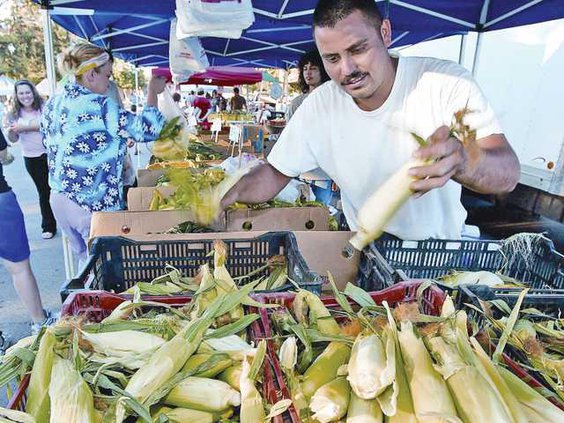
[462, 50]
[48, 46]
[51, 83]
[137, 112]
[476, 54]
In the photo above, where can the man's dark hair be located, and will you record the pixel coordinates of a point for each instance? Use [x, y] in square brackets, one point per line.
[311, 57]
[201, 92]
[328, 12]
[176, 97]
[236, 90]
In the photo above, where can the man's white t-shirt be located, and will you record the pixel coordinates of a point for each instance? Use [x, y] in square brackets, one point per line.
[359, 149]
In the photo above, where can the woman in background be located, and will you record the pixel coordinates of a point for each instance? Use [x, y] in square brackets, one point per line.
[23, 127]
[86, 136]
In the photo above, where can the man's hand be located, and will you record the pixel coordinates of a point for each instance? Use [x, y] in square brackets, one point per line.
[157, 84]
[447, 156]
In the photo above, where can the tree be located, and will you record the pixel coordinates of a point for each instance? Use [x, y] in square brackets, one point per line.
[124, 75]
[21, 41]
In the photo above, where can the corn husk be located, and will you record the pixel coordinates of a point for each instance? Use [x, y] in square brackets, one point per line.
[288, 353]
[309, 309]
[183, 415]
[232, 376]
[475, 400]
[252, 407]
[432, 401]
[324, 369]
[536, 407]
[370, 373]
[363, 411]
[403, 411]
[164, 363]
[203, 394]
[37, 403]
[121, 343]
[330, 402]
[71, 398]
[481, 277]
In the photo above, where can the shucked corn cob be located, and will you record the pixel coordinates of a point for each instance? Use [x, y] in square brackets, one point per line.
[384, 203]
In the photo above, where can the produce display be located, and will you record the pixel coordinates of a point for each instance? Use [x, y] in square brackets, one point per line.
[372, 363]
[175, 143]
[149, 361]
[195, 188]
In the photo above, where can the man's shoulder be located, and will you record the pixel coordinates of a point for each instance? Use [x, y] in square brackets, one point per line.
[424, 65]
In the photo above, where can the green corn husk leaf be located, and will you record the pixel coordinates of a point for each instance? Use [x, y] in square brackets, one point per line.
[429, 392]
[497, 356]
[341, 299]
[233, 328]
[363, 411]
[223, 362]
[277, 409]
[37, 404]
[324, 368]
[536, 407]
[359, 296]
[330, 402]
[15, 416]
[182, 415]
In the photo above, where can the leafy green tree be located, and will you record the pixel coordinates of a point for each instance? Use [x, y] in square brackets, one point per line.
[124, 75]
[21, 41]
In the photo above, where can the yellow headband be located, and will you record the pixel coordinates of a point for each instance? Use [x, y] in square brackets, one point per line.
[92, 63]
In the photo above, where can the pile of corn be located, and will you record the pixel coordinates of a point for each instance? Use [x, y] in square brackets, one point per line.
[147, 362]
[536, 339]
[396, 366]
[175, 143]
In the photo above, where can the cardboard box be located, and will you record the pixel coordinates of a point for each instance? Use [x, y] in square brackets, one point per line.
[156, 222]
[139, 199]
[148, 178]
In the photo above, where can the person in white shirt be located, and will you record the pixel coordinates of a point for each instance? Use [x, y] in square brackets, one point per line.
[357, 128]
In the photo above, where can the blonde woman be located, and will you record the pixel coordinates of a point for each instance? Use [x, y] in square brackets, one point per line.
[86, 135]
[24, 128]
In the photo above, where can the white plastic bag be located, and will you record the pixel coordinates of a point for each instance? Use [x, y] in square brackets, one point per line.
[294, 190]
[213, 18]
[168, 106]
[186, 56]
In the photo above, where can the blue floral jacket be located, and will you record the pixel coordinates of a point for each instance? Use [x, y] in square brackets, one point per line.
[85, 135]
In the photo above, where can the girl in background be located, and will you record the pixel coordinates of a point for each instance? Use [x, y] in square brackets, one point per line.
[23, 127]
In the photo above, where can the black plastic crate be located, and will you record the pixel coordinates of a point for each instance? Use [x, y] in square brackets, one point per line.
[117, 263]
[550, 302]
[386, 262]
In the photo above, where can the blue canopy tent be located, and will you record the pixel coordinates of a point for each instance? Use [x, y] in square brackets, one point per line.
[282, 28]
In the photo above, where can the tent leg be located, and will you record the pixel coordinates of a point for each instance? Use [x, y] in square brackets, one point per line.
[48, 46]
[477, 54]
[50, 68]
[462, 49]
[137, 112]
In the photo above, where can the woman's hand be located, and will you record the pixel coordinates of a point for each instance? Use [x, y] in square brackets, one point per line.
[156, 86]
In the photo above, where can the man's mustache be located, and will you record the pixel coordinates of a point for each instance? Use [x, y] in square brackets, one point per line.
[352, 76]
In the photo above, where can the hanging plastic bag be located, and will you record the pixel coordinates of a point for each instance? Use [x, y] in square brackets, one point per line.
[186, 56]
[213, 18]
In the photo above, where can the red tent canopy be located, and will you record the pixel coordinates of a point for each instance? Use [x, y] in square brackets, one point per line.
[219, 75]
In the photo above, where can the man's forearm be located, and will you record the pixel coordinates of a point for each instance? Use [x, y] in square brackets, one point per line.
[261, 184]
[492, 168]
